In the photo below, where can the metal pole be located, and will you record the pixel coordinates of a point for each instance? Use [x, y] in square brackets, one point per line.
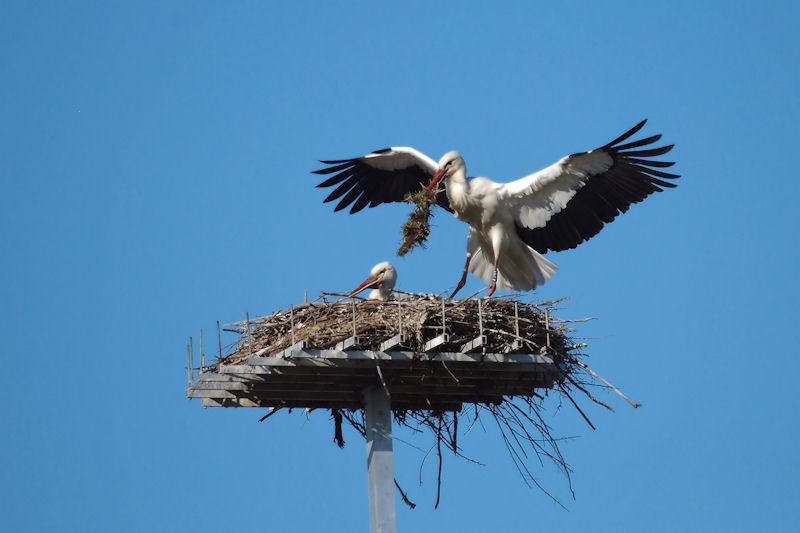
[400, 317]
[547, 327]
[191, 360]
[202, 357]
[291, 317]
[380, 461]
[249, 338]
[219, 342]
[480, 318]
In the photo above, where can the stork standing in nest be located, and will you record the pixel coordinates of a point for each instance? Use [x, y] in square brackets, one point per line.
[512, 224]
[381, 280]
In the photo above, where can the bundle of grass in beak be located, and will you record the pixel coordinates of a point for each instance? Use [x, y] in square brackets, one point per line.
[417, 227]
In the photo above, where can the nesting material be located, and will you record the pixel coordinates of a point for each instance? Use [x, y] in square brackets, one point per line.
[417, 227]
[507, 326]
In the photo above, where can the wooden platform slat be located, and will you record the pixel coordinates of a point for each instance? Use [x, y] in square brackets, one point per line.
[337, 379]
[357, 355]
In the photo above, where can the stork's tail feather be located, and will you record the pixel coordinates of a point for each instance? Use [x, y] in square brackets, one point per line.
[522, 271]
[544, 266]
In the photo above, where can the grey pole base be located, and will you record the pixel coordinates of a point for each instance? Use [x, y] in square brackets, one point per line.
[380, 461]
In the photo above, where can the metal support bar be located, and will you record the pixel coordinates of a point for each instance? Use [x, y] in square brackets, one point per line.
[399, 317]
[515, 344]
[349, 342]
[547, 327]
[513, 347]
[395, 341]
[189, 360]
[405, 356]
[202, 357]
[480, 319]
[249, 337]
[436, 342]
[296, 347]
[219, 342]
[474, 344]
[291, 319]
[380, 461]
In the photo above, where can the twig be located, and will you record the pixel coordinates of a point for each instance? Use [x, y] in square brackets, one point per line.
[592, 372]
[272, 412]
[576, 406]
[338, 438]
[405, 499]
[439, 476]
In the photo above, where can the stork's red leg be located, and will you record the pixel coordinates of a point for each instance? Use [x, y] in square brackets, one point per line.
[494, 280]
[463, 277]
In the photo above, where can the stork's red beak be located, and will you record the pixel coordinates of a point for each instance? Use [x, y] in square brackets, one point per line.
[369, 283]
[439, 176]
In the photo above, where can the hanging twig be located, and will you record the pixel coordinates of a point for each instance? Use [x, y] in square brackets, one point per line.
[403, 496]
[338, 438]
[271, 412]
[439, 475]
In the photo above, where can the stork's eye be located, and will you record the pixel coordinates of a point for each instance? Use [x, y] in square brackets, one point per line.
[448, 164]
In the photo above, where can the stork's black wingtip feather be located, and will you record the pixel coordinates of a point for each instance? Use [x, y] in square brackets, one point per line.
[625, 135]
[336, 161]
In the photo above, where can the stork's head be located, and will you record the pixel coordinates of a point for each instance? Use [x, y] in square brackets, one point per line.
[381, 279]
[448, 165]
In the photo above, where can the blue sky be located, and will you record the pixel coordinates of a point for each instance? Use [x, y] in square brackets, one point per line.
[155, 173]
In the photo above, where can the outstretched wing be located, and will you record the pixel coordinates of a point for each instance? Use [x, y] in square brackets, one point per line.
[569, 202]
[386, 175]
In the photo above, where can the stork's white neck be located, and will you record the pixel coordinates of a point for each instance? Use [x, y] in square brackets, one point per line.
[457, 188]
[384, 292]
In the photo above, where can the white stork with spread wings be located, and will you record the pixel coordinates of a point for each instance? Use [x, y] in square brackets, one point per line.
[511, 224]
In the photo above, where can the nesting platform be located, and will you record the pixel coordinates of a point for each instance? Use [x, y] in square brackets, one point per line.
[438, 381]
[427, 353]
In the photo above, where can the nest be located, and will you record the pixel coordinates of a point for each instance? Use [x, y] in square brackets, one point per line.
[508, 324]
[321, 325]
[417, 227]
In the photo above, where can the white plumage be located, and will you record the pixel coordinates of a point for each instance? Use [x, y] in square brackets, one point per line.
[512, 224]
[381, 280]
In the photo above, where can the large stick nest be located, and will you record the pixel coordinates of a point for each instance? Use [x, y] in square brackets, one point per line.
[323, 324]
[520, 419]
